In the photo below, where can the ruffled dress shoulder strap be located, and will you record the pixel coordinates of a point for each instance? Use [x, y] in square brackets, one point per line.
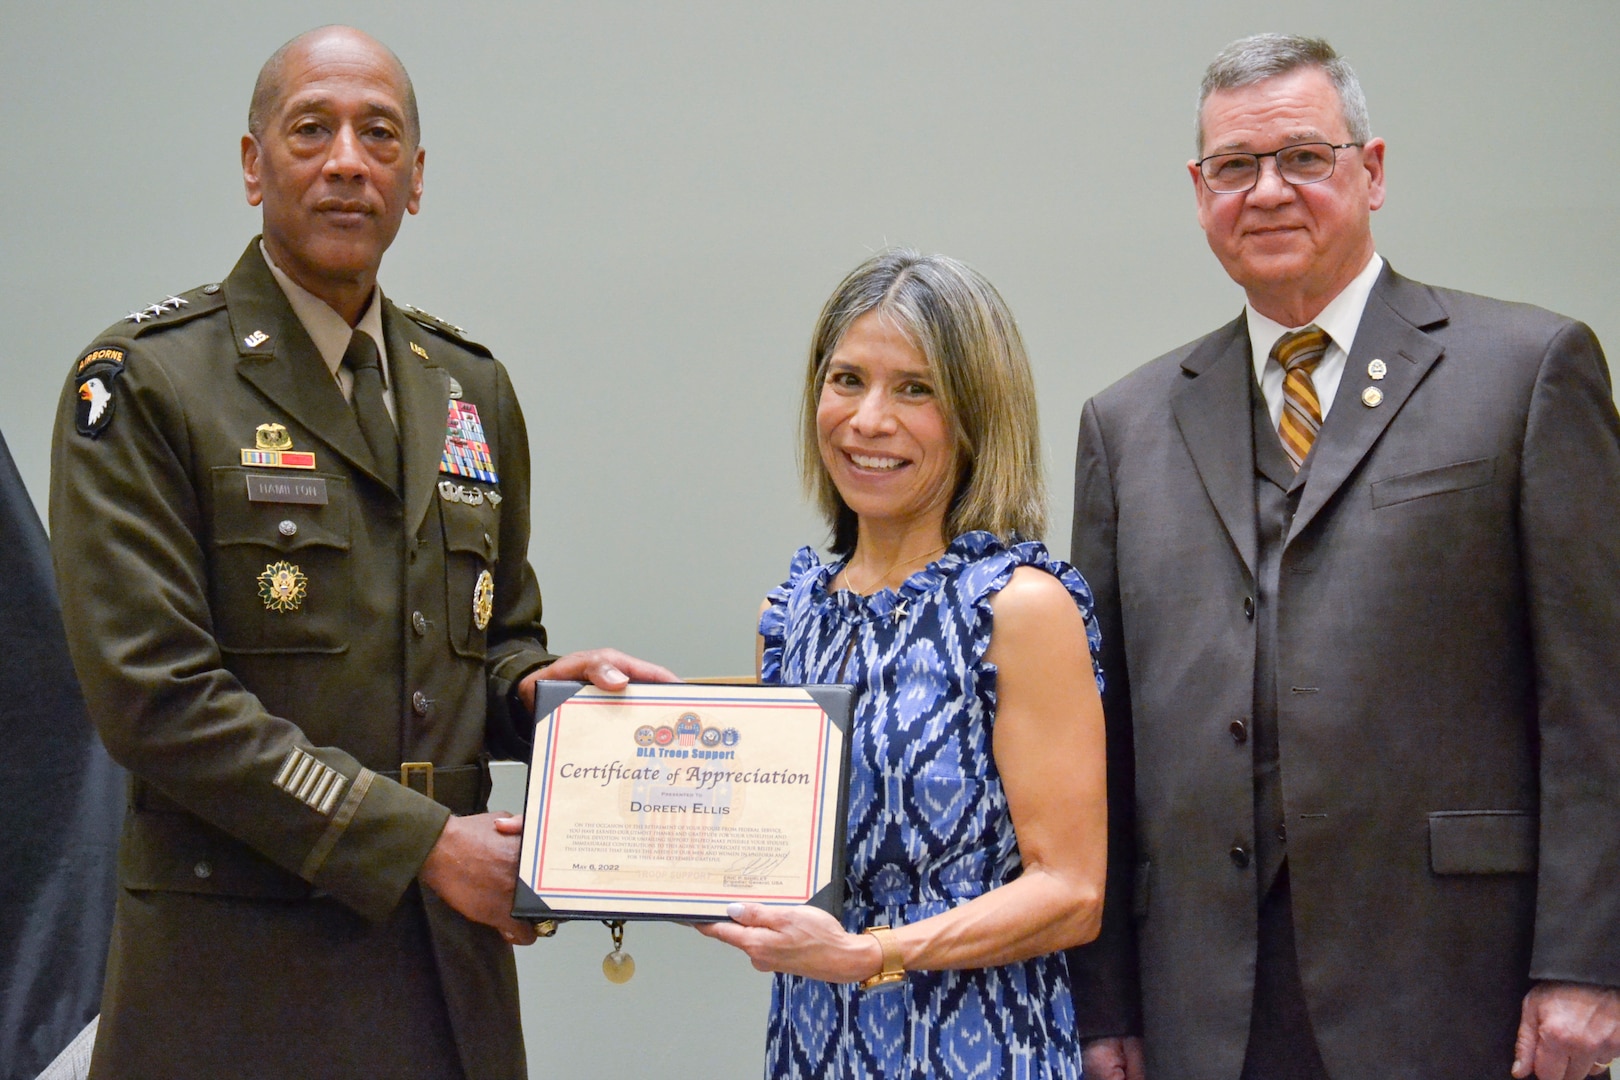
[988, 564]
[804, 573]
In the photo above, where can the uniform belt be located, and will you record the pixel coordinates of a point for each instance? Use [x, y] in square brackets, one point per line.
[462, 788]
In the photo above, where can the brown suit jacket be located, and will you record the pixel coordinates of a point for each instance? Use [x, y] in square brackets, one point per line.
[1448, 633]
[269, 923]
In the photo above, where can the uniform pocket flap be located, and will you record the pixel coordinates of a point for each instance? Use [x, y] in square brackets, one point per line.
[1457, 476]
[284, 526]
[1482, 841]
[176, 852]
[468, 529]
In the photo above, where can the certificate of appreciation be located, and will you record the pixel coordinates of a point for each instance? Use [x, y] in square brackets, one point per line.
[670, 801]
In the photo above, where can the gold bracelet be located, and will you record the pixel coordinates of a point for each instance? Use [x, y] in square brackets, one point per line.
[893, 971]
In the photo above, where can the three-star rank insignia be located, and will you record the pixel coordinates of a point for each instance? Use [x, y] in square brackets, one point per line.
[283, 587]
[483, 599]
[96, 376]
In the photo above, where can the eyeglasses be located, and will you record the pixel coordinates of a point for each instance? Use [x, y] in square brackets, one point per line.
[1302, 163]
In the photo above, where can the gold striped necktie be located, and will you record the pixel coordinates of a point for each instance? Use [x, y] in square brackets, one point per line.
[1298, 353]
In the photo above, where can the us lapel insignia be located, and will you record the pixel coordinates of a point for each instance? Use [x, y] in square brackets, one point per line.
[418, 350]
[1377, 370]
[283, 587]
[1372, 397]
[272, 449]
[465, 451]
[483, 599]
[97, 374]
[255, 339]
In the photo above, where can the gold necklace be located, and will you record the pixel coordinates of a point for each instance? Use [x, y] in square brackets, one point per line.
[849, 581]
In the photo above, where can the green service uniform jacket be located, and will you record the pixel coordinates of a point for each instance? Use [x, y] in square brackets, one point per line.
[263, 645]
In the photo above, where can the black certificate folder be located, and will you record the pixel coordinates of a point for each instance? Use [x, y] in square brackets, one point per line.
[673, 800]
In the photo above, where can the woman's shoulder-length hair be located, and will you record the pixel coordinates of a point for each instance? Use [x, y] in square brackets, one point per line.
[982, 381]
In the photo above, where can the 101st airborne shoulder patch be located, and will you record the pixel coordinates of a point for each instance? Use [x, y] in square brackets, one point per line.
[95, 377]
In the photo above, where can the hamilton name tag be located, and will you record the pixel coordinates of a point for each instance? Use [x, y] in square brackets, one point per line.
[309, 490]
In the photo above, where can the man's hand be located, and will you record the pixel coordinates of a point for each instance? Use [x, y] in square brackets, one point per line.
[606, 669]
[473, 868]
[1567, 1031]
[1116, 1058]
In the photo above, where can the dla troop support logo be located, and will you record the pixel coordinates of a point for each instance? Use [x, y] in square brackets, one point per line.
[283, 587]
[688, 730]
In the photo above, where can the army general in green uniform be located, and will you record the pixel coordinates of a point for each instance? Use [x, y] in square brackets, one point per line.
[290, 523]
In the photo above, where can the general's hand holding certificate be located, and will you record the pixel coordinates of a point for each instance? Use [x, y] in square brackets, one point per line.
[671, 801]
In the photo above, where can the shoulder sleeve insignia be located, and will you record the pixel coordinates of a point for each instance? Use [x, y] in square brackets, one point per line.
[96, 378]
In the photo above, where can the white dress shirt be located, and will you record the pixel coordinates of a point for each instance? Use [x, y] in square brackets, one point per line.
[1340, 319]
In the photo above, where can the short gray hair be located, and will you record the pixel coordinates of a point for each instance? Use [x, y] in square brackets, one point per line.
[982, 381]
[1264, 56]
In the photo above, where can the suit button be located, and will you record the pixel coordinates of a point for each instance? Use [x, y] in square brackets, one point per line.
[1240, 855]
[420, 703]
[1240, 731]
[1248, 607]
[1282, 834]
[419, 623]
[204, 869]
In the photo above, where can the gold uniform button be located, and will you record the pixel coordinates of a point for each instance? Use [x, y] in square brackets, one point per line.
[289, 527]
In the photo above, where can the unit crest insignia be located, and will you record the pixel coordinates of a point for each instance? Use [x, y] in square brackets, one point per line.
[483, 599]
[282, 587]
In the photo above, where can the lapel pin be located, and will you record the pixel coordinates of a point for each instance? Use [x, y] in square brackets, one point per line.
[255, 339]
[1377, 370]
[418, 350]
[1372, 397]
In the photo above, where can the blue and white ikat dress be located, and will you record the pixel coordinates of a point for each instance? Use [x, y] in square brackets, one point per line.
[928, 821]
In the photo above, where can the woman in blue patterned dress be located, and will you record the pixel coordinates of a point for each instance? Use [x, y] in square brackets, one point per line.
[976, 846]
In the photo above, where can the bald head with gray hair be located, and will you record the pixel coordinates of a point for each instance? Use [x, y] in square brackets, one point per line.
[1252, 59]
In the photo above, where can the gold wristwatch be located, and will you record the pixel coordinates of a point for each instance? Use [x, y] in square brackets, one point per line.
[893, 972]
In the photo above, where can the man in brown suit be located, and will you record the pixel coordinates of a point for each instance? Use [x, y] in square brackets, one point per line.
[290, 525]
[1354, 561]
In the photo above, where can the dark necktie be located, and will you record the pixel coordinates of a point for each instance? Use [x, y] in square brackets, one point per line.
[369, 410]
[1299, 353]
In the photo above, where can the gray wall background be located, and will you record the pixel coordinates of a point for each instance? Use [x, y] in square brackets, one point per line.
[641, 207]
